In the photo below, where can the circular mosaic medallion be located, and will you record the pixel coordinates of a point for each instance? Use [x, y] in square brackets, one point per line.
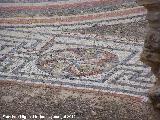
[77, 61]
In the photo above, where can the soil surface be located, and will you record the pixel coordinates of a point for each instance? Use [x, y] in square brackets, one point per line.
[37, 101]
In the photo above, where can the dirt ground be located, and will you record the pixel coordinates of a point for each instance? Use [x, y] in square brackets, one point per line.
[48, 102]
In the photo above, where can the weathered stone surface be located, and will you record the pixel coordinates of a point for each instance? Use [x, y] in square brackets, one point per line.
[151, 51]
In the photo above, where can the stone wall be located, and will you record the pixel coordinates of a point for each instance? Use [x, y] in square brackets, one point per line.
[151, 50]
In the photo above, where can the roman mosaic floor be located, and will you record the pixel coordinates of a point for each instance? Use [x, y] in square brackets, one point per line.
[75, 45]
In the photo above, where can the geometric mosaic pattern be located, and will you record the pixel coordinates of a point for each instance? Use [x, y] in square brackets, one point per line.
[40, 57]
[59, 54]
